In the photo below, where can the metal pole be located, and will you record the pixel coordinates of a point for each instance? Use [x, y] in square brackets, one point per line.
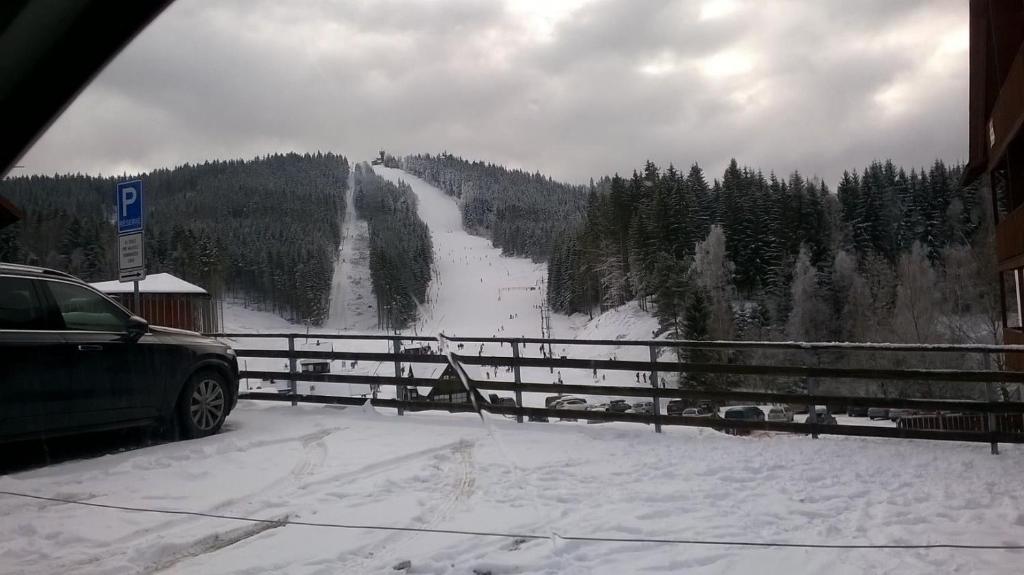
[547, 320]
[515, 369]
[138, 307]
[654, 392]
[291, 370]
[400, 390]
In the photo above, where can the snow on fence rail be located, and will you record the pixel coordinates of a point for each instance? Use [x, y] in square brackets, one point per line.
[990, 421]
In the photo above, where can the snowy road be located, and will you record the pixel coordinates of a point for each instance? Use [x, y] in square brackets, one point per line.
[450, 471]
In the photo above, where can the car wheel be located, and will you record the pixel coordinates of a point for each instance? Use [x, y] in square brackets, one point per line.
[203, 405]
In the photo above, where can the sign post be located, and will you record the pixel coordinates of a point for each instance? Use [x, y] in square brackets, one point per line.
[131, 245]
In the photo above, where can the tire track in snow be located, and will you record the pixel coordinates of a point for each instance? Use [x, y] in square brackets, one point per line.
[314, 454]
[135, 549]
[461, 486]
[210, 544]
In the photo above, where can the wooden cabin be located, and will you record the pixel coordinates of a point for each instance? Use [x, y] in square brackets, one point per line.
[448, 389]
[168, 301]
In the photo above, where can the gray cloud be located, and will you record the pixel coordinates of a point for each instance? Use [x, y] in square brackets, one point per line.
[574, 91]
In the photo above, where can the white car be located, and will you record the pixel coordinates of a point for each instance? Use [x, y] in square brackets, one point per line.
[779, 414]
[646, 407]
[571, 404]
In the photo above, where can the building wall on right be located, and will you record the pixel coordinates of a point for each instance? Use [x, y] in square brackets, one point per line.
[996, 145]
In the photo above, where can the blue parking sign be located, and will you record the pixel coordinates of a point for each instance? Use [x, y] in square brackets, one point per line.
[129, 206]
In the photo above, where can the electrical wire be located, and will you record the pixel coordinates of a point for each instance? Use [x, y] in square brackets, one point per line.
[581, 538]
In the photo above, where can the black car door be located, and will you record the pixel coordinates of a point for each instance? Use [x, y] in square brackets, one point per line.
[35, 392]
[113, 378]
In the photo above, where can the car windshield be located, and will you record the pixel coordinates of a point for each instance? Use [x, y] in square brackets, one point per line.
[405, 286]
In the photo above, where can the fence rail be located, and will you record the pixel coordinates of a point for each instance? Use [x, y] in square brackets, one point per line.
[991, 421]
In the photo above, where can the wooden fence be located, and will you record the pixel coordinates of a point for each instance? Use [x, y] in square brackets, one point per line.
[989, 416]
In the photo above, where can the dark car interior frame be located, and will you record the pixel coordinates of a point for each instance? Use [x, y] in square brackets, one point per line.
[49, 51]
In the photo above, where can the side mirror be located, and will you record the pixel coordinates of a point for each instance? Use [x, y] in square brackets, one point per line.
[136, 328]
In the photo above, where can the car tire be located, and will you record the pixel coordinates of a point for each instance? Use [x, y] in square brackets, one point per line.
[203, 405]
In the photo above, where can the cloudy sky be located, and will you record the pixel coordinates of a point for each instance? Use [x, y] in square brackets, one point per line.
[574, 88]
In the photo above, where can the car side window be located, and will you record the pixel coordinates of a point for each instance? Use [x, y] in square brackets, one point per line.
[20, 307]
[86, 310]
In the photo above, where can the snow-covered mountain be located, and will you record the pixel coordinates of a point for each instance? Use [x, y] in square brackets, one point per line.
[476, 291]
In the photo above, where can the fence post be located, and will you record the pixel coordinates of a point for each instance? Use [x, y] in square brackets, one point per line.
[293, 382]
[990, 420]
[400, 391]
[518, 392]
[654, 386]
[812, 388]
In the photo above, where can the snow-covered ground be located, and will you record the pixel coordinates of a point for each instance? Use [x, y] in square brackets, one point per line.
[454, 471]
[357, 466]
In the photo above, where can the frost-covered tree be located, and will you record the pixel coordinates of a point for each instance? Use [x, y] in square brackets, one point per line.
[917, 308]
[809, 317]
[852, 306]
[614, 281]
[401, 251]
[712, 272]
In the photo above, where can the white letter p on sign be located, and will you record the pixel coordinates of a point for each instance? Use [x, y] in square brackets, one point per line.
[128, 197]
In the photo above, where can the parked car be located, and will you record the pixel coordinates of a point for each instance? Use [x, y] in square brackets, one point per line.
[821, 416]
[571, 403]
[506, 401]
[779, 414]
[74, 360]
[708, 406]
[550, 400]
[618, 406]
[747, 413]
[878, 413]
[645, 407]
[698, 412]
[896, 413]
[857, 411]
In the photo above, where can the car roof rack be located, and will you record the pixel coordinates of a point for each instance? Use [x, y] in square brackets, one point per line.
[35, 269]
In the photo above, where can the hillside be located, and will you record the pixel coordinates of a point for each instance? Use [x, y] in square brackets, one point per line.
[264, 229]
[524, 214]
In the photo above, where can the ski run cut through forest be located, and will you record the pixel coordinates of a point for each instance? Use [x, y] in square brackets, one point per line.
[429, 244]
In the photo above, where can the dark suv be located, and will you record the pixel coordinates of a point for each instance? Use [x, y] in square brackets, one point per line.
[71, 360]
